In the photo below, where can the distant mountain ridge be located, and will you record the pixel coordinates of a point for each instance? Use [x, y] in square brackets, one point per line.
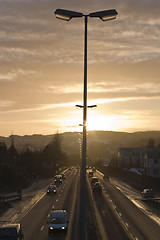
[100, 144]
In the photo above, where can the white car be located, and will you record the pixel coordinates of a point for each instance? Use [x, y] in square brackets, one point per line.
[58, 221]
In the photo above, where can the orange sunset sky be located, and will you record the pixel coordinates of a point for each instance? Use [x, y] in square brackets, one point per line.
[41, 67]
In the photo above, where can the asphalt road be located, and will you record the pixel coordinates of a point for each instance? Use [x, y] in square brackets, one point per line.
[138, 225]
[110, 215]
[35, 224]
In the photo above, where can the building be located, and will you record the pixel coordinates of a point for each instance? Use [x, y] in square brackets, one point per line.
[131, 157]
[152, 163]
[146, 160]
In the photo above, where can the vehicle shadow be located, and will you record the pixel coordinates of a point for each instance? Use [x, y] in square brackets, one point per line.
[57, 236]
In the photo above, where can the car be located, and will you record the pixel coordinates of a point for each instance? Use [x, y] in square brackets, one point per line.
[93, 180]
[148, 193]
[58, 179]
[11, 231]
[51, 189]
[97, 187]
[90, 174]
[58, 221]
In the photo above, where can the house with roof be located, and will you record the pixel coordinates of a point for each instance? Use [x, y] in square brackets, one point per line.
[145, 160]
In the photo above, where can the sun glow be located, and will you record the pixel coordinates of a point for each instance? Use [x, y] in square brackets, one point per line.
[95, 121]
[101, 122]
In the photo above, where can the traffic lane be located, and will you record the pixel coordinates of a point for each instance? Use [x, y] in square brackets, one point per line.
[110, 226]
[69, 202]
[30, 196]
[35, 222]
[139, 225]
[93, 232]
[72, 204]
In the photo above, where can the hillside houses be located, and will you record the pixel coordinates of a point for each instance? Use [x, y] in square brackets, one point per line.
[145, 160]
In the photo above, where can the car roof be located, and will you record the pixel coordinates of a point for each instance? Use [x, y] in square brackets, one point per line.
[97, 183]
[11, 225]
[58, 213]
[147, 189]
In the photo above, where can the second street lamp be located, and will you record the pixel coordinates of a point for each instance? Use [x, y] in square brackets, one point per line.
[104, 16]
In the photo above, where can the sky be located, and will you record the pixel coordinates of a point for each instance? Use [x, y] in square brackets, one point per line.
[42, 74]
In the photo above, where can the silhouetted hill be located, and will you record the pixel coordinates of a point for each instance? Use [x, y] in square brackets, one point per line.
[100, 144]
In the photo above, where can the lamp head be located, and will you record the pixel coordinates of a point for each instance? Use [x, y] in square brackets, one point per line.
[67, 14]
[105, 15]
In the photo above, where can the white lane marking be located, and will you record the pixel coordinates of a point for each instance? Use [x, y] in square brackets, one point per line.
[59, 195]
[120, 214]
[42, 228]
[14, 217]
[127, 225]
[56, 200]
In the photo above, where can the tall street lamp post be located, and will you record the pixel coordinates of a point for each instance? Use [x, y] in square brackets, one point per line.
[104, 16]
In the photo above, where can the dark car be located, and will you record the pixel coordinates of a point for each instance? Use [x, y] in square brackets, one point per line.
[90, 174]
[52, 189]
[93, 180]
[58, 221]
[11, 231]
[58, 179]
[148, 193]
[97, 187]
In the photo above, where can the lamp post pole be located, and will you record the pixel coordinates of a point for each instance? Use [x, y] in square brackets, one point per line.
[67, 15]
[84, 145]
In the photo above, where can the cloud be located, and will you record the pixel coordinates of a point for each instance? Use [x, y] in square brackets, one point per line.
[7, 77]
[41, 60]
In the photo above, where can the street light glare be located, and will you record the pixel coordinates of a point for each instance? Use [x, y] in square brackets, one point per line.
[67, 14]
[105, 15]
[62, 17]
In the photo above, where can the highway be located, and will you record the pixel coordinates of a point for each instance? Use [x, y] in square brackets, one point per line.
[110, 215]
[35, 224]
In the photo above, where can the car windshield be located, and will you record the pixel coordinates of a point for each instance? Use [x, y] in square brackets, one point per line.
[8, 232]
[58, 220]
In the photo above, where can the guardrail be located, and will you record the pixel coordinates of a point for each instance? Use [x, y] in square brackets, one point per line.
[10, 197]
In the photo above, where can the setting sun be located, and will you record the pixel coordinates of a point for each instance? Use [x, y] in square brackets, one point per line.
[101, 122]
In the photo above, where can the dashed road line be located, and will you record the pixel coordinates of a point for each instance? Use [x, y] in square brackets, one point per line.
[127, 225]
[42, 228]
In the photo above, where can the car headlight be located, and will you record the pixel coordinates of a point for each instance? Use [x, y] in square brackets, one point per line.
[51, 228]
[54, 190]
[63, 228]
